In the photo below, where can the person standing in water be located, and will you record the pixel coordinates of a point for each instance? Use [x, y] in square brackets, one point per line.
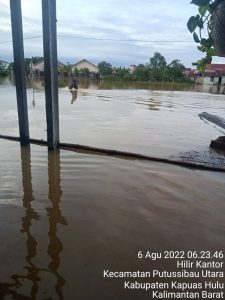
[74, 85]
[73, 89]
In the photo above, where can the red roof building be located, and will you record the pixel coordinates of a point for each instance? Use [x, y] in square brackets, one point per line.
[215, 70]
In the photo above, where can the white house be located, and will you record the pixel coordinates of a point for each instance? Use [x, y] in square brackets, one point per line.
[132, 68]
[85, 64]
[39, 66]
[4, 64]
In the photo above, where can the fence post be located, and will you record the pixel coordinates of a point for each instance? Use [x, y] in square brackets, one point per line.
[51, 72]
[18, 52]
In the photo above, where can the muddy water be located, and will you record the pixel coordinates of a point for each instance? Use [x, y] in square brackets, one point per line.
[158, 120]
[66, 216]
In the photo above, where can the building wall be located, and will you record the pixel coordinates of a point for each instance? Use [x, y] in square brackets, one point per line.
[4, 65]
[85, 64]
[210, 80]
[39, 66]
[223, 80]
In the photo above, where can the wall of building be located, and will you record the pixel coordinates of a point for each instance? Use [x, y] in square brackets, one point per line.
[4, 65]
[223, 80]
[39, 66]
[210, 80]
[86, 64]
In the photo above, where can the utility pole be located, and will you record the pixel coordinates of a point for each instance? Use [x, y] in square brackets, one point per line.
[18, 52]
[51, 72]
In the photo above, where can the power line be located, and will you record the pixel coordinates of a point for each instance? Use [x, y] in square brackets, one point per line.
[107, 39]
[27, 38]
[124, 40]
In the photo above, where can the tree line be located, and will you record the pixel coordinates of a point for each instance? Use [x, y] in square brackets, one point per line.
[156, 69]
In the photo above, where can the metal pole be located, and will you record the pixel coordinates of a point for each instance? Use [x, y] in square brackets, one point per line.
[17, 36]
[51, 72]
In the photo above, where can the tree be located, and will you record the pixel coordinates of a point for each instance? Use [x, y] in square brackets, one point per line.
[157, 61]
[105, 68]
[36, 59]
[27, 61]
[84, 72]
[176, 64]
[141, 73]
[67, 68]
[3, 71]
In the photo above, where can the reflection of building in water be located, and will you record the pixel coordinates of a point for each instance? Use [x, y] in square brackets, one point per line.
[89, 84]
[37, 84]
[27, 286]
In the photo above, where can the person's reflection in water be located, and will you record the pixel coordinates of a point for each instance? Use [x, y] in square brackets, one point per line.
[74, 95]
[73, 89]
[30, 281]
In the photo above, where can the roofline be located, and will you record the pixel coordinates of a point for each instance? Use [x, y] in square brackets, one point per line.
[59, 62]
[86, 61]
[4, 62]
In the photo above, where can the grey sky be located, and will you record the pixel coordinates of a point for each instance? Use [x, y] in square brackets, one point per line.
[142, 20]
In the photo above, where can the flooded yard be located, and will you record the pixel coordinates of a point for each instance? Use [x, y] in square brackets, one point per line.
[65, 217]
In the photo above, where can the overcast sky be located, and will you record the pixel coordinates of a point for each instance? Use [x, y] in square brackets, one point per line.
[93, 29]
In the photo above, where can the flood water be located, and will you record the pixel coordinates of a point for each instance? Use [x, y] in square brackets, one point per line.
[159, 120]
[67, 216]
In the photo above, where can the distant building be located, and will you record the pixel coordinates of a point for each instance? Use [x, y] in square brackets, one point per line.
[4, 64]
[39, 66]
[214, 74]
[187, 71]
[132, 68]
[191, 73]
[85, 64]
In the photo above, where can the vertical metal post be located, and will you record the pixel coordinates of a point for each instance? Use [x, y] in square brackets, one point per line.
[51, 72]
[18, 51]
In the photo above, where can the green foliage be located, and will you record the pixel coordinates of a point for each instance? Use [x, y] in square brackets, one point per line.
[200, 2]
[3, 71]
[192, 24]
[155, 71]
[27, 61]
[36, 59]
[67, 68]
[200, 27]
[200, 64]
[84, 72]
[76, 72]
[141, 73]
[119, 74]
[157, 61]
[105, 68]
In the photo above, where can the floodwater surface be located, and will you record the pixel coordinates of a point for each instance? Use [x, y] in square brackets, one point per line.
[65, 216]
[148, 121]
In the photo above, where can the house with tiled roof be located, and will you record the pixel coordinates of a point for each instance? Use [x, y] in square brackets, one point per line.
[214, 74]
